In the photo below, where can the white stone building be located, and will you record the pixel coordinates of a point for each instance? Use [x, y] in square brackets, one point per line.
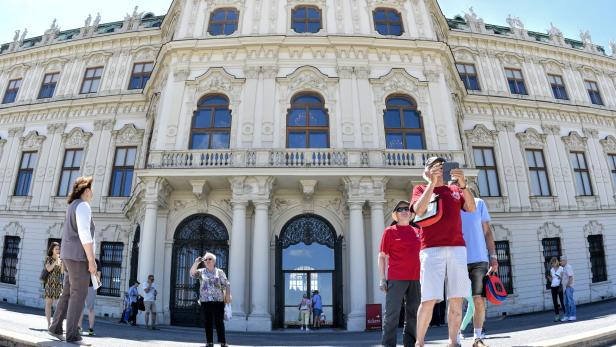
[279, 133]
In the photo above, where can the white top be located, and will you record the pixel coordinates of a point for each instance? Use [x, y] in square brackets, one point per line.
[556, 275]
[83, 215]
[567, 274]
[151, 295]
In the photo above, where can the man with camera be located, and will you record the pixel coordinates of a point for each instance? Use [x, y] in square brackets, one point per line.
[443, 251]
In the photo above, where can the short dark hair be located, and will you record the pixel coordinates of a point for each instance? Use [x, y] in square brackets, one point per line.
[51, 247]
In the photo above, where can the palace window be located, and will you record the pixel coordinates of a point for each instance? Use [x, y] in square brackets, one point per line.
[111, 268]
[597, 258]
[11, 91]
[306, 19]
[24, 175]
[403, 123]
[122, 174]
[551, 248]
[515, 81]
[388, 21]
[211, 124]
[91, 80]
[9, 259]
[504, 265]
[558, 87]
[307, 122]
[70, 170]
[538, 172]
[488, 175]
[468, 74]
[593, 92]
[49, 85]
[582, 175]
[223, 21]
[611, 158]
[140, 75]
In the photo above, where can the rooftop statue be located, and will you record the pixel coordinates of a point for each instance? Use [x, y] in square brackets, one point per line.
[554, 31]
[515, 22]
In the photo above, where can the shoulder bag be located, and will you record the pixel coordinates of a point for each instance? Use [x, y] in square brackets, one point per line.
[433, 213]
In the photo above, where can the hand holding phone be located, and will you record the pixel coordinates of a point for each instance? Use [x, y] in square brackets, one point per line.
[447, 167]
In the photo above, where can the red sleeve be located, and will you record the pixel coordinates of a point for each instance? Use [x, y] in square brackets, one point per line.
[385, 242]
[417, 192]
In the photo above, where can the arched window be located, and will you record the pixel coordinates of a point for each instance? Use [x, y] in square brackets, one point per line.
[223, 21]
[387, 21]
[306, 19]
[403, 124]
[211, 123]
[307, 122]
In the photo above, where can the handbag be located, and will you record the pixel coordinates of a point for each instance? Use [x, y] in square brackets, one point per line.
[228, 312]
[433, 213]
[44, 275]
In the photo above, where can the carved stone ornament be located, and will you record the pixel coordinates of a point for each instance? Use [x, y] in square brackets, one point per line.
[308, 78]
[114, 233]
[481, 136]
[399, 81]
[14, 229]
[143, 53]
[76, 138]
[552, 66]
[54, 64]
[104, 124]
[593, 228]
[128, 135]
[17, 71]
[220, 3]
[500, 232]
[32, 141]
[55, 230]
[97, 58]
[531, 138]
[510, 59]
[548, 230]
[609, 144]
[308, 229]
[575, 142]
[465, 55]
[216, 79]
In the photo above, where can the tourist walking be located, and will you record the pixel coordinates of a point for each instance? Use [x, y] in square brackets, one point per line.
[149, 301]
[53, 284]
[305, 307]
[77, 254]
[567, 284]
[90, 302]
[214, 293]
[443, 251]
[555, 276]
[481, 260]
[133, 296]
[317, 309]
[398, 264]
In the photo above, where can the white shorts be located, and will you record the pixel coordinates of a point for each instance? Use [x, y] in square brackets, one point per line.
[444, 265]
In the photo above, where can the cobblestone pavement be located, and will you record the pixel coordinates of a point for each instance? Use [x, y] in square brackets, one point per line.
[521, 330]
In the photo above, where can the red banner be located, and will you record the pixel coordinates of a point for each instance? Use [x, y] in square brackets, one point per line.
[374, 321]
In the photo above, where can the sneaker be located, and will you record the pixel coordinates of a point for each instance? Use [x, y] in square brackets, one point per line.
[80, 343]
[460, 337]
[301, 328]
[307, 329]
[564, 319]
[557, 318]
[80, 331]
[572, 318]
[57, 336]
[479, 343]
[91, 332]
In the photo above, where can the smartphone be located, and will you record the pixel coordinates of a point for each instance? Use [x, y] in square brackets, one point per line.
[447, 167]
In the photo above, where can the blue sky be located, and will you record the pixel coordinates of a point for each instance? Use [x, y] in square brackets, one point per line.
[570, 16]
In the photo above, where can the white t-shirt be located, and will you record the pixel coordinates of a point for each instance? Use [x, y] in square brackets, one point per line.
[151, 295]
[567, 274]
[556, 276]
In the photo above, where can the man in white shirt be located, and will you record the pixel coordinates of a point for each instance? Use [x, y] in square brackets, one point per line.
[149, 300]
[567, 283]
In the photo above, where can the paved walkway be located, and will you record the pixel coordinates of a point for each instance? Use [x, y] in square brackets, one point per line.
[28, 324]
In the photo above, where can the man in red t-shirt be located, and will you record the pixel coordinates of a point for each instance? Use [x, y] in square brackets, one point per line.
[443, 251]
[399, 269]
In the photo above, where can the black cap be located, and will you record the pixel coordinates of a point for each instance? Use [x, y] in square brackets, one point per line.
[402, 202]
[433, 160]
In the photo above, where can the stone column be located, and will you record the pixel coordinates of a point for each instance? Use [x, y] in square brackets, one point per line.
[260, 319]
[147, 246]
[357, 266]
[377, 218]
[237, 266]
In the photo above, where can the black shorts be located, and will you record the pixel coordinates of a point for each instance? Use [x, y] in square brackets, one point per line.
[476, 272]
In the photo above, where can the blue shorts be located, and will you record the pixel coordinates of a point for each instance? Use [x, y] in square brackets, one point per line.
[316, 312]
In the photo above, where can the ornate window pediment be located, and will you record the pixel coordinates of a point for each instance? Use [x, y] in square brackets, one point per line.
[552, 66]
[588, 72]
[76, 138]
[575, 142]
[399, 81]
[531, 138]
[465, 55]
[549, 230]
[128, 135]
[14, 229]
[593, 228]
[510, 59]
[17, 71]
[32, 141]
[215, 80]
[307, 78]
[609, 144]
[143, 53]
[55, 64]
[481, 136]
[97, 58]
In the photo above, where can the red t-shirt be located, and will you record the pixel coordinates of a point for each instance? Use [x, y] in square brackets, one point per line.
[448, 231]
[401, 244]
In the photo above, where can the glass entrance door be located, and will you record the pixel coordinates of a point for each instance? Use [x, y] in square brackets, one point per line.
[300, 282]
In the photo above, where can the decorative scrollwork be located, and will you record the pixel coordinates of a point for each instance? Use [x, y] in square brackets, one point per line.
[201, 227]
[307, 228]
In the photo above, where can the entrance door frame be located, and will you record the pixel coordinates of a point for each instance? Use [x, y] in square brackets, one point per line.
[303, 234]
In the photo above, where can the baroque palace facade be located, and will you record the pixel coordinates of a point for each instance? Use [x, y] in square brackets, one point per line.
[278, 134]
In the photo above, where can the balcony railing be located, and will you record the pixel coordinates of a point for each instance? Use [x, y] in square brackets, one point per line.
[296, 158]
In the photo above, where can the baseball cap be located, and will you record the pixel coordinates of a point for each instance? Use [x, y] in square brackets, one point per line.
[433, 160]
[402, 203]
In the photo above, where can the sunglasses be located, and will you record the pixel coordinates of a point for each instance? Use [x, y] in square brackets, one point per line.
[206, 259]
[402, 209]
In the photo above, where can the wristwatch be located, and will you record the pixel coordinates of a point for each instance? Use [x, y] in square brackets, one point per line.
[494, 256]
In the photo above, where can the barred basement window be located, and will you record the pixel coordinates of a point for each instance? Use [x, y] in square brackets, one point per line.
[504, 265]
[9, 259]
[551, 248]
[111, 268]
[597, 258]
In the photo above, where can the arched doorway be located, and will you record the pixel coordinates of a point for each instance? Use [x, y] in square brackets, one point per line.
[193, 237]
[308, 258]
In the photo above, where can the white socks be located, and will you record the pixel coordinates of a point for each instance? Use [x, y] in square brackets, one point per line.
[477, 333]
